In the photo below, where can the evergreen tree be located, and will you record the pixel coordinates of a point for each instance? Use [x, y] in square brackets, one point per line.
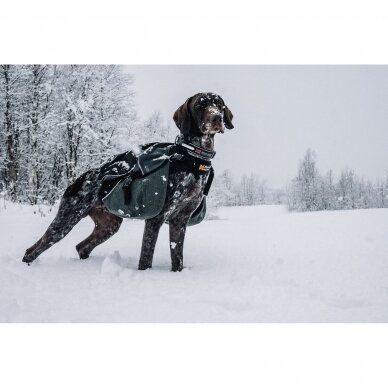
[306, 184]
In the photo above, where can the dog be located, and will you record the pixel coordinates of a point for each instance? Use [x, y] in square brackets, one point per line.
[199, 119]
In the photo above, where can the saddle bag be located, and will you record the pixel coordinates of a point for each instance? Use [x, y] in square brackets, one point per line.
[144, 197]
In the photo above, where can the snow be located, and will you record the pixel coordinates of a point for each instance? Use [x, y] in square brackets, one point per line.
[161, 157]
[124, 164]
[251, 264]
[213, 110]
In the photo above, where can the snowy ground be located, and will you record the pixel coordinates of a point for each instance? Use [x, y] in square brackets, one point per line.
[254, 264]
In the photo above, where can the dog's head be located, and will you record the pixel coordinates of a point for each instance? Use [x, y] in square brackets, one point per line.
[203, 114]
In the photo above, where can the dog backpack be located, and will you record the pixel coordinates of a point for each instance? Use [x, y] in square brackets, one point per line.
[136, 187]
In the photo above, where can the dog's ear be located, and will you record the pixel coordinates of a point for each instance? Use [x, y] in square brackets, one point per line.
[228, 117]
[183, 118]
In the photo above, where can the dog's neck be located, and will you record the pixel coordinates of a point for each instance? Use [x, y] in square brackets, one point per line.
[204, 141]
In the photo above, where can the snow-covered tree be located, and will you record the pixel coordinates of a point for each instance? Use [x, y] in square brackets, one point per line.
[156, 128]
[97, 102]
[310, 191]
[305, 187]
[11, 94]
[347, 189]
[251, 190]
[223, 191]
[57, 121]
[327, 192]
[35, 131]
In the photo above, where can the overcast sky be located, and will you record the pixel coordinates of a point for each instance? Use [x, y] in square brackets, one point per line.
[341, 112]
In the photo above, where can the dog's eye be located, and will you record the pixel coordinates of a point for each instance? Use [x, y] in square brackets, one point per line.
[201, 105]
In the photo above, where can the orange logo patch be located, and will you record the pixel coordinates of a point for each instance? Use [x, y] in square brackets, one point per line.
[202, 167]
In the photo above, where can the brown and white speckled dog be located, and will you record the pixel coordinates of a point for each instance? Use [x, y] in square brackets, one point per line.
[199, 119]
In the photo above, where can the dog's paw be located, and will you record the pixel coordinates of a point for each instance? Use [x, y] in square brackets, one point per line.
[82, 253]
[144, 266]
[28, 260]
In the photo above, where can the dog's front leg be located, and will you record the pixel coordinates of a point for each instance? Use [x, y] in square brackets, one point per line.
[151, 232]
[177, 238]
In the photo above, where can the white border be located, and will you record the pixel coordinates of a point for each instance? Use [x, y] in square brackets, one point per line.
[193, 355]
[204, 31]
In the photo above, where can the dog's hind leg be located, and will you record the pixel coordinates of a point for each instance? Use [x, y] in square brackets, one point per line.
[66, 218]
[105, 226]
[75, 204]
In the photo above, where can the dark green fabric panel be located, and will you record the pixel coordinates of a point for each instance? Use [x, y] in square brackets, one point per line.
[143, 198]
[199, 214]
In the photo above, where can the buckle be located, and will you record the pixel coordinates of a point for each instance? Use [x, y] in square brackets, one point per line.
[177, 156]
[179, 139]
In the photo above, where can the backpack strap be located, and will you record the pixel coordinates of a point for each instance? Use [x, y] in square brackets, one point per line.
[209, 181]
